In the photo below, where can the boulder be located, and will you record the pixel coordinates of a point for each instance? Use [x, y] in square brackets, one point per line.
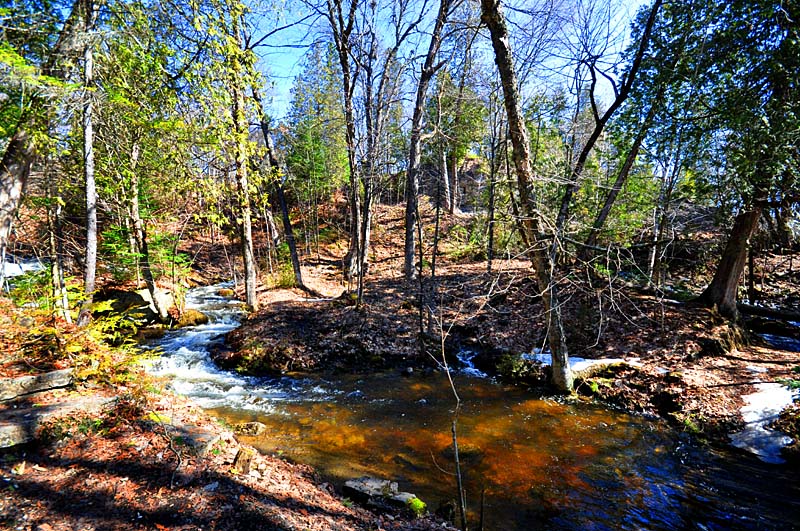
[164, 298]
[191, 317]
[25, 422]
[382, 494]
[227, 293]
[128, 302]
[139, 304]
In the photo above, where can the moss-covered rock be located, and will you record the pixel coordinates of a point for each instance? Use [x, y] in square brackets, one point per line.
[191, 317]
[417, 506]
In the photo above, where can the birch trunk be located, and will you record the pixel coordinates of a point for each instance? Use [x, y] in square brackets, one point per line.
[242, 187]
[14, 170]
[90, 260]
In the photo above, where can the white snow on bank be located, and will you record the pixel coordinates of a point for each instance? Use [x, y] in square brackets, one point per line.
[577, 364]
[762, 408]
[14, 266]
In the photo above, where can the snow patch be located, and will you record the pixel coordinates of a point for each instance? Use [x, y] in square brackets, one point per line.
[761, 409]
[578, 364]
[14, 266]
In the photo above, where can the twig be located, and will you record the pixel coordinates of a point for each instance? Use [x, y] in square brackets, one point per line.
[171, 447]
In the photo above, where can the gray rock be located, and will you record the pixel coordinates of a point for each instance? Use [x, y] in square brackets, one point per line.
[164, 298]
[367, 487]
[22, 424]
[375, 492]
[24, 385]
[199, 439]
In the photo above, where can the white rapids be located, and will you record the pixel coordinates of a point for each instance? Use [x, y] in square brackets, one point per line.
[185, 360]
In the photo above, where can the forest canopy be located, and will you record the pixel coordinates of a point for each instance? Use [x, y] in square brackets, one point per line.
[575, 133]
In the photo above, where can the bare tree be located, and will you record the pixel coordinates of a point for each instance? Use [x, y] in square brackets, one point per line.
[493, 17]
[342, 19]
[591, 58]
[427, 71]
[380, 69]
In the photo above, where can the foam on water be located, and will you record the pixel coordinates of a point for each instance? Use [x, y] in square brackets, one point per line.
[468, 368]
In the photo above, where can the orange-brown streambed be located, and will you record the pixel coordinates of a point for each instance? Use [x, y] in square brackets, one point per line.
[540, 464]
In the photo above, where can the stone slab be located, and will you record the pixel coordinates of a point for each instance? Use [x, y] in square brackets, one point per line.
[11, 388]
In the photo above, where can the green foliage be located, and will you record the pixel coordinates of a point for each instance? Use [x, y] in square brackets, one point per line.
[283, 273]
[727, 106]
[417, 506]
[514, 368]
[35, 288]
[459, 114]
[124, 263]
[692, 424]
[21, 83]
[792, 383]
[467, 242]
[316, 150]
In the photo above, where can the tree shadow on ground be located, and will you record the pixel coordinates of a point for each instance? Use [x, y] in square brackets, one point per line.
[116, 493]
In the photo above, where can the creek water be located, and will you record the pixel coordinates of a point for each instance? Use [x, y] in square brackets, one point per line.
[537, 464]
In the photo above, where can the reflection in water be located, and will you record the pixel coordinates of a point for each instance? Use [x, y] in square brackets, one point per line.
[542, 464]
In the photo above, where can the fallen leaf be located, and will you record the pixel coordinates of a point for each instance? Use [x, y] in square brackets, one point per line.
[19, 469]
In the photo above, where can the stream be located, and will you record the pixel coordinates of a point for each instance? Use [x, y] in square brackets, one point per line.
[540, 464]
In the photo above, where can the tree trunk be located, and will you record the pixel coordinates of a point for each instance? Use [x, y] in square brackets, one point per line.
[415, 148]
[140, 236]
[14, 171]
[445, 182]
[493, 17]
[90, 265]
[721, 293]
[752, 293]
[455, 191]
[60, 298]
[284, 207]
[342, 29]
[490, 215]
[366, 234]
[412, 196]
[240, 132]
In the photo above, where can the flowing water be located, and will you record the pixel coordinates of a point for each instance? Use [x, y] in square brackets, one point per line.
[539, 464]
